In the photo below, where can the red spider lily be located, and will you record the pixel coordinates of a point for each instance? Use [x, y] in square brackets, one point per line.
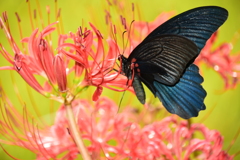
[221, 61]
[21, 63]
[60, 73]
[39, 61]
[98, 65]
[90, 56]
[111, 135]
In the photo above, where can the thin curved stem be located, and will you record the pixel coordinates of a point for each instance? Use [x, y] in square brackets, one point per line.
[75, 132]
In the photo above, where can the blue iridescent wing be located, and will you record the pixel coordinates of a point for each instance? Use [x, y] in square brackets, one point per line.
[186, 97]
[196, 24]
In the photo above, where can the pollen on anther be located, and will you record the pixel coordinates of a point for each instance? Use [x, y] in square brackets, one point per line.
[18, 18]
[59, 13]
[48, 9]
[35, 14]
[114, 29]
[1, 25]
[5, 17]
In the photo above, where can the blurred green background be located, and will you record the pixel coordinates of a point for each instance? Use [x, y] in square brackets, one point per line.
[226, 115]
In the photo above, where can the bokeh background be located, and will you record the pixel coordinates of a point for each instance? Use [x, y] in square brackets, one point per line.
[223, 106]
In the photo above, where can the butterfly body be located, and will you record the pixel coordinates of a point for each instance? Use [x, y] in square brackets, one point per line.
[136, 82]
[163, 60]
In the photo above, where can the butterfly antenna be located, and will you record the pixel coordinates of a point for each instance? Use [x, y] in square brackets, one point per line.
[123, 42]
[114, 35]
[133, 10]
[114, 32]
[129, 38]
[119, 66]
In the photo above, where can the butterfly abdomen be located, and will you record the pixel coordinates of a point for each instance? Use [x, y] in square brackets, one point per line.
[138, 88]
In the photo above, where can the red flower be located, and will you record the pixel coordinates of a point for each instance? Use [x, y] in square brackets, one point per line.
[60, 73]
[39, 61]
[91, 57]
[221, 61]
[111, 135]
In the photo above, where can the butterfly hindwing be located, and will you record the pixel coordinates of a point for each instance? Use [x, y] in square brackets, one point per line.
[166, 57]
[196, 24]
[186, 97]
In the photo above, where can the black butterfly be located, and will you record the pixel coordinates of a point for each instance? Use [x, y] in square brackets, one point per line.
[163, 61]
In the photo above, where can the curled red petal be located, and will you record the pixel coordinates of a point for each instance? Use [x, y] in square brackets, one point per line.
[60, 73]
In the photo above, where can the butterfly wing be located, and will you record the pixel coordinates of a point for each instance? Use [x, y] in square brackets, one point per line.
[196, 24]
[165, 57]
[186, 97]
[163, 60]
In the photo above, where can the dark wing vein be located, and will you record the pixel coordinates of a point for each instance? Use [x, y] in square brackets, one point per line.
[197, 24]
[170, 54]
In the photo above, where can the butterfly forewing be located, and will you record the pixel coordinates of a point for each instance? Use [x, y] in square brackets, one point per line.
[163, 60]
[165, 56]
[196, 24]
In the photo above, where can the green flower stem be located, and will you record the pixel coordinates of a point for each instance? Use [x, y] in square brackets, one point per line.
[75, 132]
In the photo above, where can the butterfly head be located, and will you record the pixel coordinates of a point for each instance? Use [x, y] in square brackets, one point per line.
[126, 68]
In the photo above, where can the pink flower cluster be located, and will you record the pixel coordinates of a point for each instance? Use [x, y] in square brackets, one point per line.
[87, 50]
[91, 60]
[221, 60]
[112, 135]
[109, 134]
[91, 57]
[39, 61]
